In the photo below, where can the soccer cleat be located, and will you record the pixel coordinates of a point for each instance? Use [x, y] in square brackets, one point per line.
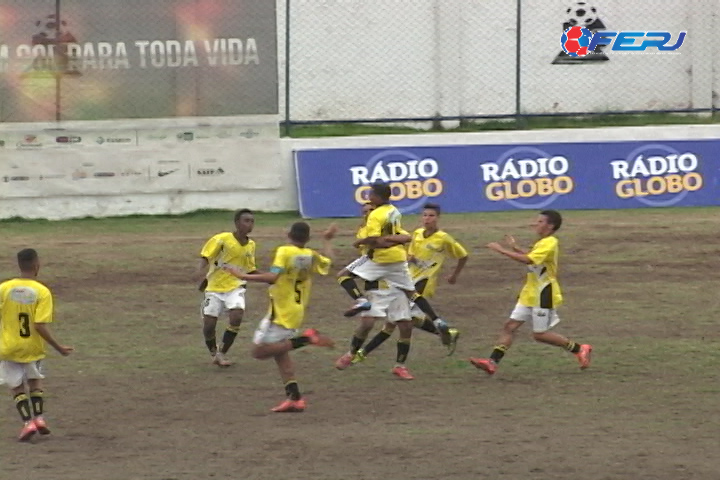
[362, 305]
[318, 339]
[402, 372]
[28, 431]
[41, 426]
[291, 406]
[358, 357]
[583, 356]
[486, 364]
[344, 362]
[444, 331]
[454, 336]
[220, 360]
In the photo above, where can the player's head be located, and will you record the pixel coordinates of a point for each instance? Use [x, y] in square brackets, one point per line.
[367, 207]
[548, 222]
[430, 215]
[244, 220]
[379, 194]
[299, 233]
[28, 261]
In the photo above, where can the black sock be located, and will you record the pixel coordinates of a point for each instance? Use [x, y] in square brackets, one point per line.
[425, 324]
[38, 403]
[22, 402]
[348, 283]
[229, 337]
[356, 343]
[292, 390]
[211, 345]
[403, 348]
[572, 347]
[498, 353]
[299, 342]
[376, 341]
[424, 305]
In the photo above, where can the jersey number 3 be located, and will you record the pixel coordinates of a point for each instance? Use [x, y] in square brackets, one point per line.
[24, 320]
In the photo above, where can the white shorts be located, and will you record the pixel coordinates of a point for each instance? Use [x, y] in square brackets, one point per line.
[391, 304]
[543, 319]
[14, 374]
[396, 273]
[216, 303]
[357, 261]
[270, 332]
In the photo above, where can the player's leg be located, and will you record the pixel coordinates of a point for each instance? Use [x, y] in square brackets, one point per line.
[544, 319]
[271, 340]
[367, 270]
[294, 401]
[356, 342]
[234, 303]
[347, 281]
[518, 317]
[405, 328]
[37, 401]
[211, 309]
[426, 288]
[13, 375]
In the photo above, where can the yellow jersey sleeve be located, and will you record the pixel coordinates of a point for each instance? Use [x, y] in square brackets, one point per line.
[212, 248]
[542, 249]
[279, 264]
[44, 309]
[453, 248]
[321, 264]
[374, 225]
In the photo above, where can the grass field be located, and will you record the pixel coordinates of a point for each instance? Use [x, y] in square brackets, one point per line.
[140, 400]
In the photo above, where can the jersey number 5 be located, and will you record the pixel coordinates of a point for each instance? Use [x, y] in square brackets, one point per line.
[298, 293]
[24, 320]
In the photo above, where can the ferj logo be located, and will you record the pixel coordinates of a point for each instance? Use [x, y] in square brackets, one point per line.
[525, 173]
[413, 179]
[657, 175]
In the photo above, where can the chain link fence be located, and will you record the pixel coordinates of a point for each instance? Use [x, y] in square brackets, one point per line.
[348, 60]
[429, 60]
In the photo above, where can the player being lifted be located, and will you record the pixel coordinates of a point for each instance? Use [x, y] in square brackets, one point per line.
[428, 250]
[386, 260]
[223, 291]
[26, 309]
[290, 277]
[539, 298]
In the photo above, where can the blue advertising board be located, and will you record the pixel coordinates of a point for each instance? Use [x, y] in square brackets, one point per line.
[476, 178]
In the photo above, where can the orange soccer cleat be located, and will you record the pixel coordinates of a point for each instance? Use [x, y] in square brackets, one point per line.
[291, 406]
[583, 356]
[41, 426]
[318, 339]
[486, 364]
[28, 431]
[344, 362]
[402, 372]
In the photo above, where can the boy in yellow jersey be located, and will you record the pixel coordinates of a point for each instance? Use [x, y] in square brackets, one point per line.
[225, 292]
[26, 308]
[428, 250]
[290, 277]
[362, 250]
[539, 298]
[387, 259]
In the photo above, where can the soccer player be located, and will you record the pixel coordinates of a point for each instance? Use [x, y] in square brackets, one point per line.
[387, 260]
[291, 279]
[362, 250]
[389, 304]
[223, 291]
[26, 309]
[428, 250]
[539, 298]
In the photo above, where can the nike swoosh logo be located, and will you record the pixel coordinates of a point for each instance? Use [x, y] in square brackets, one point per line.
[162, 174]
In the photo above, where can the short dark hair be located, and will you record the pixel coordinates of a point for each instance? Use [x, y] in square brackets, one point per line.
[242, 212]
[299, 232]
[26, 258]
[432, 206]
[553, 218]
[382, 190]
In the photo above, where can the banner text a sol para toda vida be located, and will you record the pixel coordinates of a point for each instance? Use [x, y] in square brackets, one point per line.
[469, 178]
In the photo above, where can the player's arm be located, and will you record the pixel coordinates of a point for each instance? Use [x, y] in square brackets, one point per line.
[44, 332]
[260, 277]
[519, 257]
[43, 316]
[328, 235]
[210, 250]
[510, 240]
[456, 250]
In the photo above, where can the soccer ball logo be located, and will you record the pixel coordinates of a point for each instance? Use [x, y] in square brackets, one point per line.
[575, 41]
[581, 13]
